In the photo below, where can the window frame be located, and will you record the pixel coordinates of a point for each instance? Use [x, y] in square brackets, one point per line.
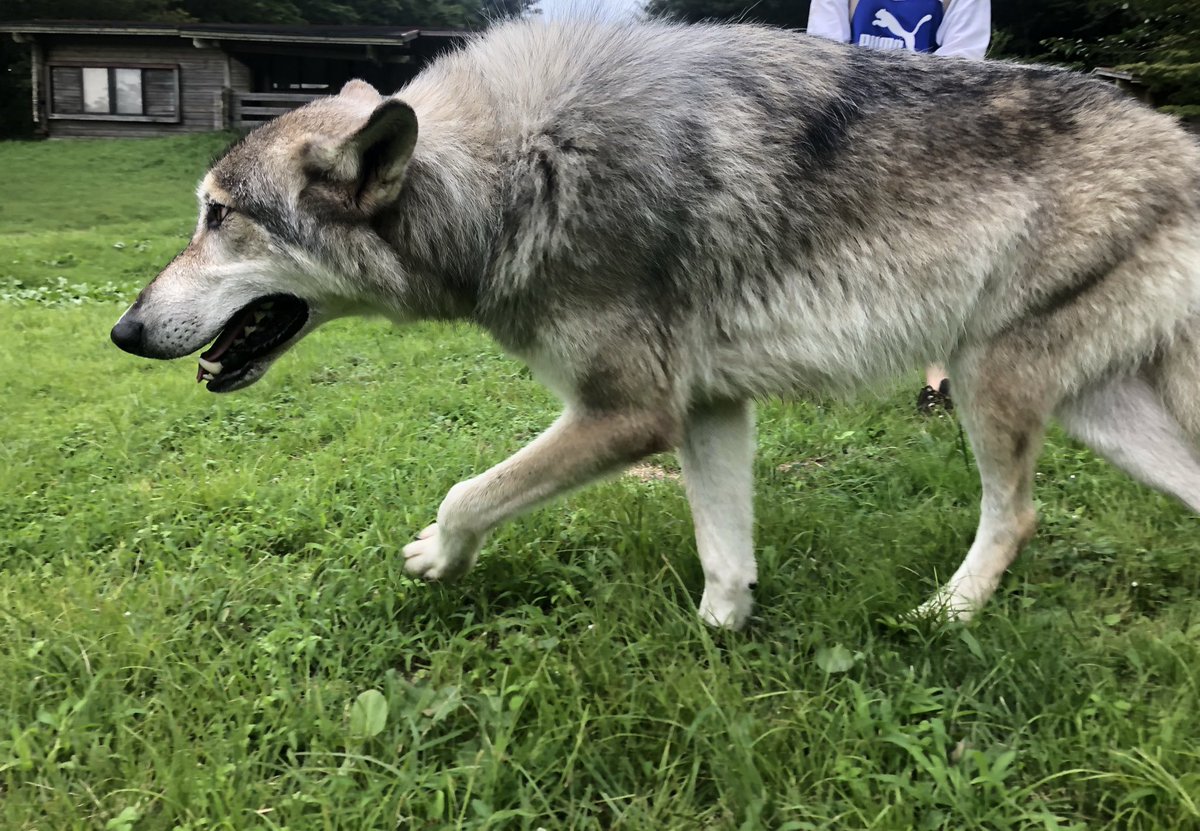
[112, 115]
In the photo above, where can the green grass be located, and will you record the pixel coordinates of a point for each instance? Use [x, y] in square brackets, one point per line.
[195, 591]
[102, 214]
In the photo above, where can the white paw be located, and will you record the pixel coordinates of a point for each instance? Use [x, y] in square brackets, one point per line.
[947, 605]
[726, 609]
[435, 555]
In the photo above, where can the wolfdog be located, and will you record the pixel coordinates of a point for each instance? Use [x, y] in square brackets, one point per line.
[666, 222]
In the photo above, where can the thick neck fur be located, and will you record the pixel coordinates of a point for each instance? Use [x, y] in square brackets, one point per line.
[444, 223]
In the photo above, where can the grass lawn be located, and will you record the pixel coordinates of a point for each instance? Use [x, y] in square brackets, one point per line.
[204, 622]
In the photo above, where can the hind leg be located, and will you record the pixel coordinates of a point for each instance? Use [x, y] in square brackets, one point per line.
[1126, 422]
[1005, 418]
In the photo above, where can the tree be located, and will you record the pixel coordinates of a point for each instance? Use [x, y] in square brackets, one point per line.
[1020, 28]
[1158, 40]
[331, 12]
[153, 11]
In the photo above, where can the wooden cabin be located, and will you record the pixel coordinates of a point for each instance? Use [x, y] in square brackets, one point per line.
[146, 79]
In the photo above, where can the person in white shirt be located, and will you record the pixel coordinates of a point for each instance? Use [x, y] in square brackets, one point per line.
[955, 28]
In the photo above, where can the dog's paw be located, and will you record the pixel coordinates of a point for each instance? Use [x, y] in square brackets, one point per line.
[946, 605]
[436, 556]
[726, 609]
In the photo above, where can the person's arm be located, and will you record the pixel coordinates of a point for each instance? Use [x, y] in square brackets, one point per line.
[830, 19]
[966, 29]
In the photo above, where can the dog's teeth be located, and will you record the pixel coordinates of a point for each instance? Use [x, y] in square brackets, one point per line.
[208, 376]
[212, 366]
[249, 330]
[258, 316]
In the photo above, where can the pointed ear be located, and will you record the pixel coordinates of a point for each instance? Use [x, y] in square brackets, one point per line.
[374, 159]
[359, 90]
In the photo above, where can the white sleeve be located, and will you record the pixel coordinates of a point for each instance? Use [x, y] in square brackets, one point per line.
[830, 19]
[965, 30]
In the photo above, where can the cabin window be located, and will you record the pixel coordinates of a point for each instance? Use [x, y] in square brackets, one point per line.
[95, 91]
[115, 93]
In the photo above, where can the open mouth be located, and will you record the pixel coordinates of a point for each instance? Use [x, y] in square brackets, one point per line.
[253, 333]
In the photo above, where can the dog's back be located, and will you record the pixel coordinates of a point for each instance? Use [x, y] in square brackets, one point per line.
[871, 210]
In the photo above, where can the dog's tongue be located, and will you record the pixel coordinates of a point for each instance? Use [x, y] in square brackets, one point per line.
[231, 334]
[228, 336]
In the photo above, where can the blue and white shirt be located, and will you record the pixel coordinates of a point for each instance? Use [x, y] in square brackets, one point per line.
[959, 28]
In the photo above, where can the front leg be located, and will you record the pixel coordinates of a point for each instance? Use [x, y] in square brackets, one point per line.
[581, 446]
[717, 455]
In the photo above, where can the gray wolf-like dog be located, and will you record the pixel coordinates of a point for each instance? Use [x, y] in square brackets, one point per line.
[667, 222]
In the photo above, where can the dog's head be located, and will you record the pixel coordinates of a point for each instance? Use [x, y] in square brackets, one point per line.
[284, 239]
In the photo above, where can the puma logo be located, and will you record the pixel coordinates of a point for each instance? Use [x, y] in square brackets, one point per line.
[886, 20]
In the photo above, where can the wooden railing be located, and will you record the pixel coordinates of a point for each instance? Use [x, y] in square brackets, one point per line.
[249, 109]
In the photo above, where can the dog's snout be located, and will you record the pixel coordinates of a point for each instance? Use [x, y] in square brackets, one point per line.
[127, 334]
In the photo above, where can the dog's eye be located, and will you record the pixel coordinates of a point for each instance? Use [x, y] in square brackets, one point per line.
[216, 215]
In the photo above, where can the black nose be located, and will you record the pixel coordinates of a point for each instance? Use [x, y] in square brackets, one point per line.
[127, 334]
